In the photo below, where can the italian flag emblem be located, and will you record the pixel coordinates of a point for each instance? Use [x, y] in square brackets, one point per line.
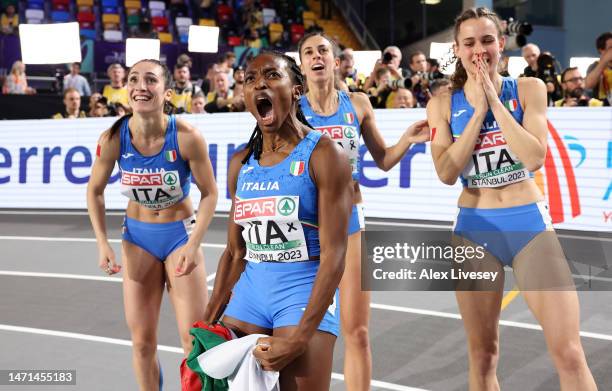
[297, 168]
[511, 105]
[171, 156]
[349, 118]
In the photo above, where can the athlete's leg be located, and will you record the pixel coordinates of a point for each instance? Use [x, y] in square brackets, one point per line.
[188, 294]
[354, 319]
[558, 310]
[312, 370]
[143, 287]
[480, 308]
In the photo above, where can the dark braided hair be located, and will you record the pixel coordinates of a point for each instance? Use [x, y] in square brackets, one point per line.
[168, 107]
[255, 144]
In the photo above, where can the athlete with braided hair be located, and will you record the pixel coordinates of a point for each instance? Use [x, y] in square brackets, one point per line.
[289, 222]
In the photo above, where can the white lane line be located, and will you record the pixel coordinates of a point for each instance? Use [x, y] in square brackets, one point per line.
[509, 323]
[386, 307]
[85, 240]
[75, 276]
[164, 348]
[71, 213]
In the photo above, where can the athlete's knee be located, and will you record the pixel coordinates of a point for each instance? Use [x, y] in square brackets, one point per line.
[144, 347]
[484, 358]
[358, 337]
[568, 356]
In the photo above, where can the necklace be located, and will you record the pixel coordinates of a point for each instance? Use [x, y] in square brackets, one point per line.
[275, 148]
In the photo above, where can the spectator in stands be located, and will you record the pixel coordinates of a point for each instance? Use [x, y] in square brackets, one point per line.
[599, 74]
[100, 108]
[419, 78]
[530, 53]
[378, 95]
[118, 110]
[238, 86]
[353, 79]
[439, 87]
[433, 70]
[16, 82]
[197, 103]
[392, 58]
[222, 99]
[72, 102]
[9, 21]
[252, 39]
[116, 91]
[77, 81]
[208, 82]
[207, 10]
[227, 65]
[573, 90]
[183, 89]
[401, 98]
[185, 59]
[92, 103]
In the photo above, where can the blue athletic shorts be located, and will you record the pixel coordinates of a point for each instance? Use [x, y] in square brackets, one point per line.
[274, 294]
[504, 232]
[357, 220]
[158, 239]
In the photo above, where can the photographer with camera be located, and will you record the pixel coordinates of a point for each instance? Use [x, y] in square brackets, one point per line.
[599, 74]
[391, 59]
[530, 53]
[379, 93]
[573, 90]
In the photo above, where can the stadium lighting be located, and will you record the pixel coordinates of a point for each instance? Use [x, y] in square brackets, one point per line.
[56, 43]
[203, 39]
[430, 2]
[137, 49]
[516, 65]
[582, 63]
[443, 52]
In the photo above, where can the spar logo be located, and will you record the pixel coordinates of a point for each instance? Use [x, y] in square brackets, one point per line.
[334, 131]
[258, 207]
[132, 179]
[563, 198]
[170, 179]
[286, 206]
[490, 140]
[349, 132]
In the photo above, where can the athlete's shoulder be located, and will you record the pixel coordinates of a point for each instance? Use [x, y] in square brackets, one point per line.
[440, 104]
[238, 157]
[327, 146]
[358, 97]
[183, 126]
[530, 84]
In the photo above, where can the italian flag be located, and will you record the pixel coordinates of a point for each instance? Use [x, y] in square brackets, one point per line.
[297, 168]
[349, 118]
[511, 105]
[171, 156]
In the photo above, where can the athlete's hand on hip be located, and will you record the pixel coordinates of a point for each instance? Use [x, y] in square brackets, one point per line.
[275, 353]
[418, 132]
[188, 256]
[107, 261]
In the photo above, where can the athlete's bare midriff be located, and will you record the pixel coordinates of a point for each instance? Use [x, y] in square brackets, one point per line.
[177, 212]
[516, 194]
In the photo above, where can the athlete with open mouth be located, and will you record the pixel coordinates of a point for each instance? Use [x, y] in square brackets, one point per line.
[287, 232]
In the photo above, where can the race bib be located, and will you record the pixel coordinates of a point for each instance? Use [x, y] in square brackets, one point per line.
[493, 163]
[271, 229]
[346, 136]
[152, 190]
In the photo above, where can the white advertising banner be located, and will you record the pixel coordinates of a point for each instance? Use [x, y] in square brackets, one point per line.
[46, 164]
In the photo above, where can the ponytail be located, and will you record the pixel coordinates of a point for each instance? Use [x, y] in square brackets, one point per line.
[115, 127]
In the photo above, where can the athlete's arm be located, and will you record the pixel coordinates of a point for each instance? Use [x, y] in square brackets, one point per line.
[335, 195]
[385, 157]
[195, 151]
[232, 262]
[108, 153]
[451, 157]
[527, 141]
